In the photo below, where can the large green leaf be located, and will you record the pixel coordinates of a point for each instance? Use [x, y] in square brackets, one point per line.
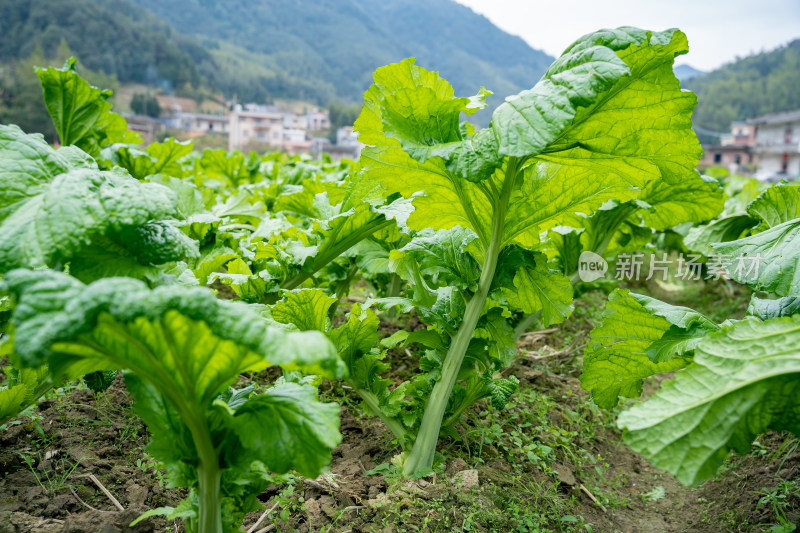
[439, 196]
[724, 229]
[54, 212]
[778, 204]
[289, 428]
[616, 361]
[81, 113]
[610, 103]
[767, 261]
[744, 382]
[693, 199]
[185, 335]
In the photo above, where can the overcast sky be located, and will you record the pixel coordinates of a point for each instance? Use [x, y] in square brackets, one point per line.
[718, 30]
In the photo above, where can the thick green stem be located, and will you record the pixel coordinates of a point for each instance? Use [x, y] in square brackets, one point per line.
[210, 508]
[395, 285]
[209, 477]
[424, 448]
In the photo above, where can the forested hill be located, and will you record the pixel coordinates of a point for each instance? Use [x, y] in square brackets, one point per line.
[317, 50]
[112, 36]
[763, 83]
[329, 48]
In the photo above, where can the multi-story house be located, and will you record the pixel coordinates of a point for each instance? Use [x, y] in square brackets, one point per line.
[318, 120]
[735, 150]
[262, 125]
[777, 145]
[199, 123]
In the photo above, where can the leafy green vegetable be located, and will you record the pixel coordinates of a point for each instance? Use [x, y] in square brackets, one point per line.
[23, 387]
[768, 260]
[54, 212]
[776, 205]
[741, 379]
[639, 337]
[158, 158]
[743, 382]
[182, 348]
[100, 381]
[606, 120]
[766, 309]
[81, 113]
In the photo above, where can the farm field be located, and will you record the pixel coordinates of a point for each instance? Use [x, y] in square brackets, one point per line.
[514, 492]
[554, 323]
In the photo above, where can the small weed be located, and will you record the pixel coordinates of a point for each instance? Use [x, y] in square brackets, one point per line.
[150, 466]
[779, 499]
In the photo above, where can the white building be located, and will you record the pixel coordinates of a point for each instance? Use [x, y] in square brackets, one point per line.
[199, 123]
[263, 126]
[778, 145]
[294, 135]
[294, 121]
[318, 120]
[347, 139]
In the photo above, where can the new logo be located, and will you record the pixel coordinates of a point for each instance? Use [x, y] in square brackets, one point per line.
[591, 267]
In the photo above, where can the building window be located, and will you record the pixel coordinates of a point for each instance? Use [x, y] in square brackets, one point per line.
[718, 158]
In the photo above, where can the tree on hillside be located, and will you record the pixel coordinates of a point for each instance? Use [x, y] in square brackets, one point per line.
[145, 104]
[752, 86]
[341, 114]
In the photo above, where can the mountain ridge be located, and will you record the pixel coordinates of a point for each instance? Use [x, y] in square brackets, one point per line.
[259, 50]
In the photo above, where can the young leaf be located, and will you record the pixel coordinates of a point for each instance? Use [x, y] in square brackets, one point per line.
[159, 158]
[776, 205]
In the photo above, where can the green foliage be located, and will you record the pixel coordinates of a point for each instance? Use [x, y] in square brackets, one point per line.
[639, 337]
[104, 35]
[740, 378]
[100, 381]
[183, 349]
[22, 388]
[743, 383]
[145, 104]
[58, 208]
[551, 157]
[80, 112]
[748, 87]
